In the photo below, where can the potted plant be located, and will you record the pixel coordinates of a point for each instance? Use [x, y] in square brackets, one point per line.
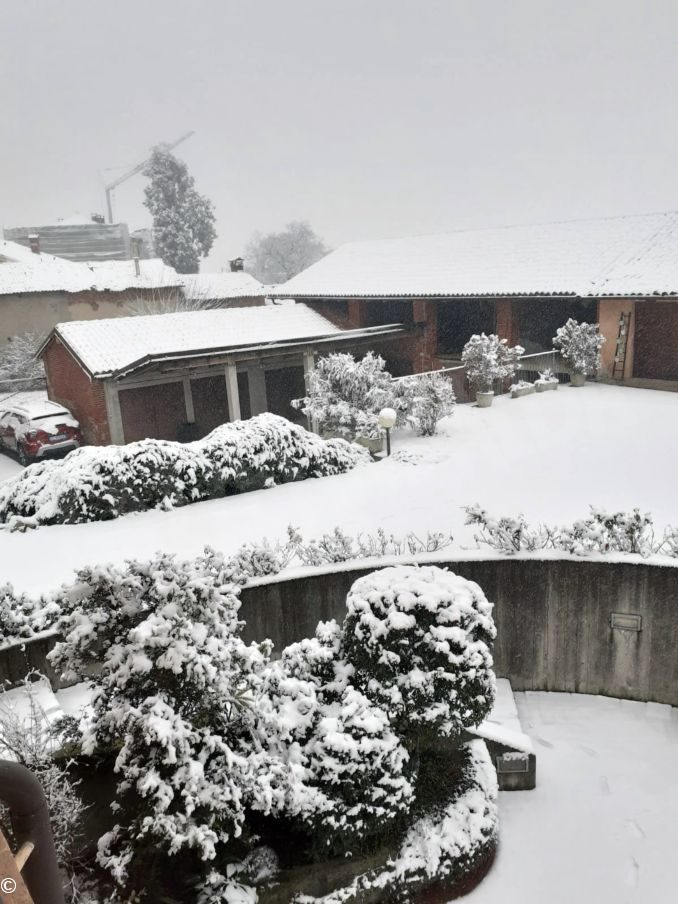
[486, 359]
[521, 388]
[580, 345]
[547, 381]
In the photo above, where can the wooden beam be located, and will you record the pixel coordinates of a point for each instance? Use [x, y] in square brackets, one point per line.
[188, 400]
[13, 890]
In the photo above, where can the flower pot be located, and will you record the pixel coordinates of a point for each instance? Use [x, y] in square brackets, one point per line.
[484, 399]
[577, 379]
[372, 445]
[547, 386]
[523, 390]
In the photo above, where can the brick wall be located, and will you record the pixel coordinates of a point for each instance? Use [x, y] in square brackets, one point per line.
[68, 384]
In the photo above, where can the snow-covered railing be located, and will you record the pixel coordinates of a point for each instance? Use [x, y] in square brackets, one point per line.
[529, 368]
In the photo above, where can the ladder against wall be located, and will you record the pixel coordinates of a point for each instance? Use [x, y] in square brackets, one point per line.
[619, 365]
[12, 888]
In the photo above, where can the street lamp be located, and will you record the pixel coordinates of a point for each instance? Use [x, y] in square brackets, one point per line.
[386, 420]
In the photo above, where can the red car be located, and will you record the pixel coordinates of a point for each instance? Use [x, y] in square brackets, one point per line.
[36, 428]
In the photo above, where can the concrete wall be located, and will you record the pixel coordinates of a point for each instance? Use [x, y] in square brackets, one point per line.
[552, 616]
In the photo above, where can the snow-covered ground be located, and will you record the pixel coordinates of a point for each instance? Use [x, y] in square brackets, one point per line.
[547, 455]
[9, 467]
[600, 828]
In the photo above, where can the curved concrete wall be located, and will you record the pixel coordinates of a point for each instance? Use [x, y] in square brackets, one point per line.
[553, 616]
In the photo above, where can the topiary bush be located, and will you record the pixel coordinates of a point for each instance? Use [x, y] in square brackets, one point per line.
[420, 642]
[489, 358]
[100, 483]
[580, 344]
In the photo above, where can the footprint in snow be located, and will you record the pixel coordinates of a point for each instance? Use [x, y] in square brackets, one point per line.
[544, 743]
[605, 785]
[634, 829]
[632, 873]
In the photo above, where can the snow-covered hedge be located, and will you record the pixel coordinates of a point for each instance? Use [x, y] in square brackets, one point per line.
[420, 642]
[601, 532]
[100, 483]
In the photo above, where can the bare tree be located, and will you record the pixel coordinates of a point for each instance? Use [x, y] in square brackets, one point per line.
[170, 301]
[278, 256]
[20, 369]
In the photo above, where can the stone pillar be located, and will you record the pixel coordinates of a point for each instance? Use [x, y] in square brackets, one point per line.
[256, 380]
[232, 393]
[114, 414]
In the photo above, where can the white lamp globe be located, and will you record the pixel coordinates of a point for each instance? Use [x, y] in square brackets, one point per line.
[387, 418]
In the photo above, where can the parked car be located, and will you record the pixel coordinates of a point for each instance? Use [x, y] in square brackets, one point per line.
[37, 428]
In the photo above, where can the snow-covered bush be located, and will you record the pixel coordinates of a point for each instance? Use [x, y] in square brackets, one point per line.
[489, 358]
[426, 399]
[507, 534]
[602, 531]
[334, 762]
[172, 696]
[580, 344]
[345, 396]
[420, 643]
[99, 483]
[22, 617]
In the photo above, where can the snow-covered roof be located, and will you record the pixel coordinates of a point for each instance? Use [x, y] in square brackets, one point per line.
[215, 286]
[21, 270]
[633, 255]
[118, 344]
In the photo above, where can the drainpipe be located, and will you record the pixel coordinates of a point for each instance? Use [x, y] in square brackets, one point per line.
[22, 793]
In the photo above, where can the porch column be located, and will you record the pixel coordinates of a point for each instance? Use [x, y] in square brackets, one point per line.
[114, 414]
[256, 379]
[232, 393]
[188, 401]
[506, 320]
[309, 364]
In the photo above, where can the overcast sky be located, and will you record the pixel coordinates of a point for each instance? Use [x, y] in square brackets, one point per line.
[368, 118]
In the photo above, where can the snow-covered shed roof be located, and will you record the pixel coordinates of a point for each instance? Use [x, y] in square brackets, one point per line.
[617, 256]
[218, 286]
[22, 270]
[120, 344]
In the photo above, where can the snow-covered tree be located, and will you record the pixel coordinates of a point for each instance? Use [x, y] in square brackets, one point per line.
[345, 396]
[427, 399]
[580, 344]
[169, 301]
[334, 761]
[172, 696]
[420, 642]
[183, 219]
[20, 369]
[278, 256]
[489, 358]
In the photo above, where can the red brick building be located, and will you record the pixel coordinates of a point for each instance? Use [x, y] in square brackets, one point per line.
[521, 282]
[178, 376]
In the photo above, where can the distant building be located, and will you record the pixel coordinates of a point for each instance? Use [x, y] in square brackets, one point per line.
[173, 376]
[38, 290]
[521, 282]
[76, 239]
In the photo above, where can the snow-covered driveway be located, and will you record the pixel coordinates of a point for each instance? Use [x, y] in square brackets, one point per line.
[600, 828]
[548, 455]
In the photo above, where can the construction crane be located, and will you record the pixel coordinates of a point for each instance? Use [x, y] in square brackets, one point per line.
[137, 169]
